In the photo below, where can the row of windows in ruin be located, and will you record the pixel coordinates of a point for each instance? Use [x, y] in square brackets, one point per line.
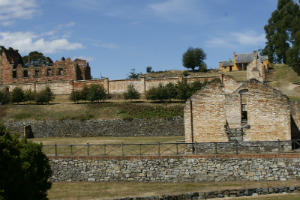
[37, 73]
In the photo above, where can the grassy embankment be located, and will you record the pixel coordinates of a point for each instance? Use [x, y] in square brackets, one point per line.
[100, 190]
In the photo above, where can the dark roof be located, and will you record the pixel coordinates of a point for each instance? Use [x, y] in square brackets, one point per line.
[226, 63]
[244, 58]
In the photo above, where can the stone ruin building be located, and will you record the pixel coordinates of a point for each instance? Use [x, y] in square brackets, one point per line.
[226, 110]
[14, 71]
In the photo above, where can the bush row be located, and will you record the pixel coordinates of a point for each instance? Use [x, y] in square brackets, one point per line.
[181, 90]
[92, 93]
[17, 95]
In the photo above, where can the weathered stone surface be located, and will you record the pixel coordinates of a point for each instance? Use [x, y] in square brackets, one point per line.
[215, 113]
[77, 128]
[176, 170]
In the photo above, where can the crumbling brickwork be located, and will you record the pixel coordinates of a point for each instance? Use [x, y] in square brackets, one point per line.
[227, 110]
[13, 71]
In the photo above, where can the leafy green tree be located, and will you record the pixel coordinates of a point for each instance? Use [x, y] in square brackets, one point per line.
[29, 95]
[283, 34]
[131, 93]
[84, 93]
[36, 56]
[24, 169]
[133, 74]
[44, 96]
[171, 91]
[75, 96]
[17, 95]
[96, 93]
[148, 69]
[183, 90]
[194, 57]
[5, 96]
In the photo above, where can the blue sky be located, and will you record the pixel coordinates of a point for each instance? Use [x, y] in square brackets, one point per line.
[118, 35]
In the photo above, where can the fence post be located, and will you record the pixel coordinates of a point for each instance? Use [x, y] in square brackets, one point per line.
[158, 149]
[176, 148]
[236, 147]
[104, 149]
[55, 149]
[122, 146]
[216, 148]
[278, 146]
[88, 149]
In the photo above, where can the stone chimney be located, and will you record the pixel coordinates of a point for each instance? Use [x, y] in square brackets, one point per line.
[255, 55]
[234, 58]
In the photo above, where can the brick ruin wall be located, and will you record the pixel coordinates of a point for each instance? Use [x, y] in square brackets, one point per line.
[268, 113]
[214, 108]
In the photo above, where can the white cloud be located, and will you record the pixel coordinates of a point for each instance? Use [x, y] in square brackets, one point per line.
[26, 42]
[16, 9]
[249, 38]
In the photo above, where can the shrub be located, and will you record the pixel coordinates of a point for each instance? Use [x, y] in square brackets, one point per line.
[44, 96]
[24, 169]
[96, 93]
[158, 93]
[171, 92]
[75, 96]
[17, 95]
[4, 96]
[183, 90]
[84, 93]
[131, 93]
[29, 95]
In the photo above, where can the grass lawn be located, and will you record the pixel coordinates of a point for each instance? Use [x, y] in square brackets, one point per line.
[106, 190]
[105, 110]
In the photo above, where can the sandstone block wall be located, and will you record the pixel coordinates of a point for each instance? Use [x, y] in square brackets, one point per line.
[116, 128]
[181, 169]
[218, 111]
[268, 114]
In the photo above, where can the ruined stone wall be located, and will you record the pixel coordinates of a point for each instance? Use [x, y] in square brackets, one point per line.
[268, 114]
[295, 112]
[116, 128]
[176, 169]
[208, 115]
[120, 86]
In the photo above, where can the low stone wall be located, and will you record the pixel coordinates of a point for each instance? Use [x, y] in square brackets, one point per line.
[221, 194]
[177, 169]
[119, 127]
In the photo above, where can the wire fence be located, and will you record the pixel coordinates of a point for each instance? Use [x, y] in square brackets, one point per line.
[172, 149]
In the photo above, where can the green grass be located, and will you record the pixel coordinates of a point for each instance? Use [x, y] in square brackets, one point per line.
[111, 110]
[106, 190]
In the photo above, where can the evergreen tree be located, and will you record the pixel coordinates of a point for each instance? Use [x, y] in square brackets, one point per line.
[283, 34]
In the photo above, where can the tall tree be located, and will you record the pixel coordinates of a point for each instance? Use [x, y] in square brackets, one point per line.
[283, 34]
[194, 57]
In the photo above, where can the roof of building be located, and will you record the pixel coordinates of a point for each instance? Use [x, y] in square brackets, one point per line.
[244, 58]
[226, 63]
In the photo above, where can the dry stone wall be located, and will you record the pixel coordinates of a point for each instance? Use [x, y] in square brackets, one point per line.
[180, 169]
[117, 128]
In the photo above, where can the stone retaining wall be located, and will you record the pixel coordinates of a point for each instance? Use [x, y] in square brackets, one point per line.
[177, 169]
[119, 127]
